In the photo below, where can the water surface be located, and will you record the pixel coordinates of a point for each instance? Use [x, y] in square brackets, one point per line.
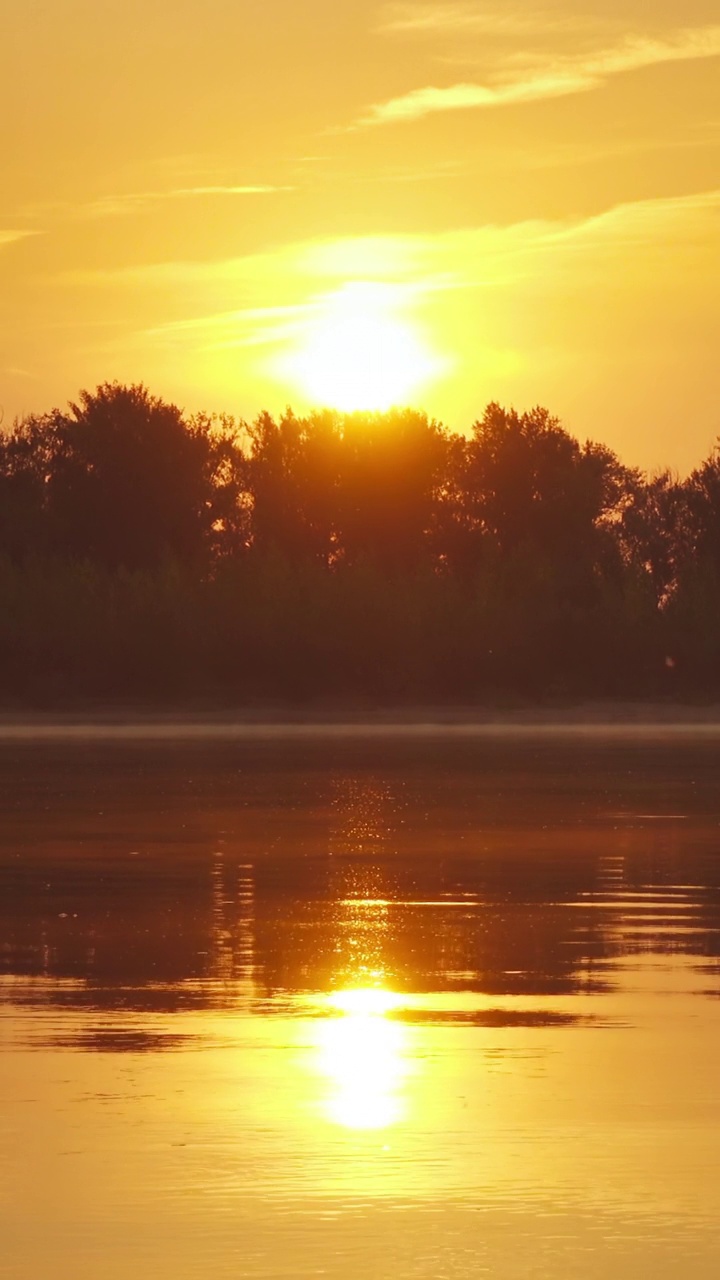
[360, 1008]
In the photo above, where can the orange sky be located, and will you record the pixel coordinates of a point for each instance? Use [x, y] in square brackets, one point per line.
[521, 202]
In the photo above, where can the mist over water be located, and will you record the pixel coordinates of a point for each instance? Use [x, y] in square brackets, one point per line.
[366, 1004]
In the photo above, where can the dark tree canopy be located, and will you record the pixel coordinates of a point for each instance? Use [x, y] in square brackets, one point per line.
[121, 478]
[365, 553]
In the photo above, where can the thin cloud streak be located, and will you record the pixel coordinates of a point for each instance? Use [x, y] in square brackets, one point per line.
[138, 201]
[543, 79]
[643, 222]
[231, 321]
[463, 97]
[10, 237]
[118, 205]
[435, 18]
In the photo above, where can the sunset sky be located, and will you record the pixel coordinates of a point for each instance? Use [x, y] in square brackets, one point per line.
[226, 199]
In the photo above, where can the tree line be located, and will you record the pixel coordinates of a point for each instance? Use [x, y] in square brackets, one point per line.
[148, 553]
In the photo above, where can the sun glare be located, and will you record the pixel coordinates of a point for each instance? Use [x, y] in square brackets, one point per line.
[363, 1056]
[360, 352]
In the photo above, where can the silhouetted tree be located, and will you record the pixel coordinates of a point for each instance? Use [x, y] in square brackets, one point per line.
[530, 489]
[26, 460]
[392, 474]
[124, 479]
[360, 554]
[702, 500]
[293, 481]
[339, 489]
[654, 530]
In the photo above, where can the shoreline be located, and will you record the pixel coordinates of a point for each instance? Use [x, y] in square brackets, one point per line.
[614, 719]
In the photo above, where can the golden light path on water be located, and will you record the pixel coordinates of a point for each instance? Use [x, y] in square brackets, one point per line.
[360, 351]
[363, 1056]
[404, 1060]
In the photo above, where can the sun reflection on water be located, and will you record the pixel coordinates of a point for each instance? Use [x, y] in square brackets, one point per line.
[363, 1055]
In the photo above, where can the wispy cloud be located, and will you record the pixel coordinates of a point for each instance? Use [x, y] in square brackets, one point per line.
[463, 97]
[528, 78]
[247, 327]
[646, 222]
[462, 258]
[433, 19]
[9, 237]
[125, 204]
[135, 201]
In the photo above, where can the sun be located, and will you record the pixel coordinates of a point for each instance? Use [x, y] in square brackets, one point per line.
[360, 352]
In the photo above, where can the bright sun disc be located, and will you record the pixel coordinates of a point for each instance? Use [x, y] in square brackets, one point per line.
[358, 354]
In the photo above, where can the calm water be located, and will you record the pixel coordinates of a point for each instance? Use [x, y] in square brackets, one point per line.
[360, 1009]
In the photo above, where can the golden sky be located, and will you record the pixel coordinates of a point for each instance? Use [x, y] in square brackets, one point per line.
[221, 199]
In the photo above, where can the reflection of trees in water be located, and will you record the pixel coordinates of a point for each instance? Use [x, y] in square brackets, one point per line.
[222, 940]
[514, 920]
[232, 968]
[652, 895]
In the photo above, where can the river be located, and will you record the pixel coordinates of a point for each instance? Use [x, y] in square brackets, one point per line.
[360, 1007]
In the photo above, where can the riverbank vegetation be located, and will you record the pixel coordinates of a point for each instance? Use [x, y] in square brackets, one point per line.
[148, 554]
